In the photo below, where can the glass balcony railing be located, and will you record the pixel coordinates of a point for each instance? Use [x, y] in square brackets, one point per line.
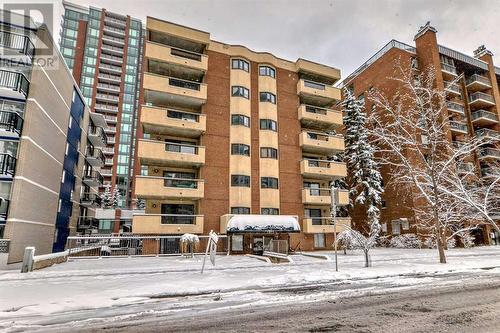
[4, 208]
[484, 114]
[478, 78]
[456, 125]
[11, 122]
[489, 152]
[448, 68]
[15, 81]
[481, 96]
[456, 107]
[7, 164]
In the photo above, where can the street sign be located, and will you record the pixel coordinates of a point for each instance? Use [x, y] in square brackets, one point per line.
[213, 238]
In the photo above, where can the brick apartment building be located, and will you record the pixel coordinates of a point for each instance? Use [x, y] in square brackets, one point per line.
[235, 141]
[473, 110]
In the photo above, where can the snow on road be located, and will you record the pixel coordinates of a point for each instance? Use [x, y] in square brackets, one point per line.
[86, 289]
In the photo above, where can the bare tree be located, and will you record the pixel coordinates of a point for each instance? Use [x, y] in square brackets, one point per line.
[411, 132]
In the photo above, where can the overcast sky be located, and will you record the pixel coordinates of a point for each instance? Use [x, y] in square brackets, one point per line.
[340, 33]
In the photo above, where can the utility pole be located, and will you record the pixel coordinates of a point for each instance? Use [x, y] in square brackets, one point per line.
[333, 213]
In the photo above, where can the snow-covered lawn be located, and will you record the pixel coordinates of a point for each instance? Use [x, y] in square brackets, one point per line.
[101, 284]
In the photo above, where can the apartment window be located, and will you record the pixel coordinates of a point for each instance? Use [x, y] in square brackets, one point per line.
[267, 152]
[240, 64]
[268, 124]
[319, 241]
[239, 119]
[269, 211]
[268, 97]
[269, 182]
[238, 91]
[237, 242]
[240, 180]
[240, 210]
[267, 71]
[240, 149]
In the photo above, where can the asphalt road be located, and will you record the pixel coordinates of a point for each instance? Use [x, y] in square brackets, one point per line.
[449, 303]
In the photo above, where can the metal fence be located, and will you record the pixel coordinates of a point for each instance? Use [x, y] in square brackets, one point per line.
[277, 246]
[132, 245]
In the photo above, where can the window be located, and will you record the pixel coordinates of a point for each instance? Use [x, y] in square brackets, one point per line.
[267, 97]
[240, 210]
[266, 152]
[267, 71]
[319, 241]
[361, 99]
[268, 124]
[239, 119]
[237, 242]
[268, 182]
[240, 64]
[240, 149]
[240, 180]
[238, 91]
[396, 227]
[269, 211]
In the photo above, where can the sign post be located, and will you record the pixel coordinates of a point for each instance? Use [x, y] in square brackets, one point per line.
[333, 213]
[212, 247]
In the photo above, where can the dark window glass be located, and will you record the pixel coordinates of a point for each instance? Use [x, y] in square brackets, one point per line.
[269, 211]
[177, 214]
[240, 149]
[267, 97]
[268, 182]
[267, 71]
[180, 179]
[240, 210]
[266, 152]
[182, 115]
[268, 124]
[239, 91]
[240, 64]
[240, 180]
[239, 119]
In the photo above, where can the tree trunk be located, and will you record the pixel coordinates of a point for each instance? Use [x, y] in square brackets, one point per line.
[439, 230]
[367, 261]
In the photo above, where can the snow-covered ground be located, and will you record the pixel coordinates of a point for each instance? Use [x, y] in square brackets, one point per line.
[83, 289]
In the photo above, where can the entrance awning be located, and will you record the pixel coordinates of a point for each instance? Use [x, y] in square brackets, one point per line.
[263, 223]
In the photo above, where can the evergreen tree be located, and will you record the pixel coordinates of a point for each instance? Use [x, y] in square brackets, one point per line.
[117, 197]
[106, 200]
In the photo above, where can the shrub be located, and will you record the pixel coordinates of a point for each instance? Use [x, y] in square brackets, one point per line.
[405, 241]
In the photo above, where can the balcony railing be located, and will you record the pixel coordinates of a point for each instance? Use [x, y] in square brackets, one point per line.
[94, 152]
[487, 133]
[88, 222]
[7, 164]
[113, 98]
[113, 29]
[20, 43]
[93, 176]
[448, 68]
[178, 219]
[111, 119]
[15, 81]
[4, 208]
[456, 107]
[110, 57]
[458, 126]
[11, 122]
[110, 108]
[452, 87]
[110, 67]
[484, 114]
[478, 78]
[112, 48]
[481, 96]
[114, 20]
[90, 199]
[184, 84]
[181, 148]
[185, 54]
[465, 167]
[489, 152]
[181, 183]
[111, 87]
[109, 77]
[99, 133]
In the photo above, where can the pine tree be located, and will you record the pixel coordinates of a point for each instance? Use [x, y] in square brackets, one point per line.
[365, 182]
[106, 200]
[117, 197]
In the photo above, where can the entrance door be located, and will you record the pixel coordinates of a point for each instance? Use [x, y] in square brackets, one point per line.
[258, 245]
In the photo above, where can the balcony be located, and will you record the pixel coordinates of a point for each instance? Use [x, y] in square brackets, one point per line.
[488, 173]
[167, 224]
[90, 200]
[488, 134]
[458, 127]
[172, 122]
[17, 47]
[319, 118]
[465, 168]
[117, 40]
[87, 222]
[109, 78]
[317, 93]
[98, 119]
[106, 108]
[111, 21]
[449, 71]
[161, 188]
[322, 225]
[481, 100]
[321, 196]
[111, 119]
[489, 153]
[326, 73]
[97, 137]
[110, 68]
[456, 107]
[4, 208]
[319, 143]
[13, 84]
[170, 154]
[322, 169]
[107, 98]
[11, 123]
[108, 150]
[477, 82]
[483, 117]
[93, 178]
[108, 162]
[115, 50]
[190, 60]
[108, 87]
[106, 172]
[94, 156]
[7, 164]
[162, 90]
[114, 31]
[452, 88]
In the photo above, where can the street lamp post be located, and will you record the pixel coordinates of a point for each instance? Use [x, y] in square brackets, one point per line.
[333, 213]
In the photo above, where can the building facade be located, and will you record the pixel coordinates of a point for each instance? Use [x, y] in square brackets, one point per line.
[103, 50]
[473, 110]
[43, 122]
[235, 141]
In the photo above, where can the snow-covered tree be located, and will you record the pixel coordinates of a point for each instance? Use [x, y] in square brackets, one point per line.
[188, 243]
[106, 197]
[117, 197]
[365, 181]
[353, 239]
[411, 132]
[140, 204]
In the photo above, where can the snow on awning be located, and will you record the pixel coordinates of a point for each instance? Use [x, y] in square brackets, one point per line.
[263, 223]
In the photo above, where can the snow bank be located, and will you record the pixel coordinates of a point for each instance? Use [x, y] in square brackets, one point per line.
[248, 223]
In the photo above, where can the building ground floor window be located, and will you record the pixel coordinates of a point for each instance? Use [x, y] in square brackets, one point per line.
[319, 241]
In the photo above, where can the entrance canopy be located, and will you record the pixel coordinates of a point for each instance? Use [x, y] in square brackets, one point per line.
[263, 223]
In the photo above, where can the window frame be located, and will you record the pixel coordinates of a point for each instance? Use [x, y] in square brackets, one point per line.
[268, 71]
[270, 97]
[246, 210]
[241, 64]
[269, 183]
[240, 117]
[240, 181]
[268, 210]
[270, 152]
[239, 149]
[240, 89]
[268, 125]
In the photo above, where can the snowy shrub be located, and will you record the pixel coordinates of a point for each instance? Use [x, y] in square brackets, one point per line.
[405, 241]
[347, 240]
[467, 239]
[431, 243]
[384, 241]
